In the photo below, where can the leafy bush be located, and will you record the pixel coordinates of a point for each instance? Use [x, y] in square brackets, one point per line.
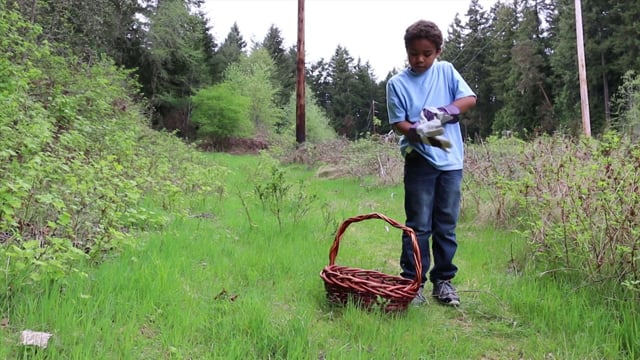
[220, 112]
[317, 127]
[251, 77]
[77, 159]
[626, 106]
[576, 201]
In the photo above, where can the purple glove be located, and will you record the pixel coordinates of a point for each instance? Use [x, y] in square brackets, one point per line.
[452, 111]
[446, 114]
[412, 134]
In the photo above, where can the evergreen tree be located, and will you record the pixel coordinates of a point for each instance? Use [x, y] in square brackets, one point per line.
[284, 76]
[366, 94]
[231, 50]
[210, 47]
[564, 65]
[611, 39]
[176, 63]
[320, 83]
[500, 67]
[468, 49]
[527, 103]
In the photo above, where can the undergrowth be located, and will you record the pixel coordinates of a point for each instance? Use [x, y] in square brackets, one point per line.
[77, 161]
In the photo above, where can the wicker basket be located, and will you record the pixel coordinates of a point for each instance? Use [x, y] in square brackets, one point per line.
[368, 288]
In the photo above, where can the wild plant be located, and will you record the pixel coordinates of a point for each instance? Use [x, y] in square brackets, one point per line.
[283, 198]
[574, 200]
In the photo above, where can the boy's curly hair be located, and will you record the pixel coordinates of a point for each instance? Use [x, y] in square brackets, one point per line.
[423, 29]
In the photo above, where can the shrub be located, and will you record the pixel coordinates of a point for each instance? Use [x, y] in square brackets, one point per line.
[77, 160]
[220, 112]
[574, 199]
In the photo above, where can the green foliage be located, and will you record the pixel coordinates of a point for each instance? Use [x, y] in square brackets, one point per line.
[284, 199]
[575, 200]
[284, 76]
[176, 55]
[317, 127]
[31, 264]
[251, 77]
[221, 112]
[77, 161]
[232, 48]
[626, 106]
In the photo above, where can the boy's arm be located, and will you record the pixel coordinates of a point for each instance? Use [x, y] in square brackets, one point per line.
[450, 113]
[465, 103]
[407, 129]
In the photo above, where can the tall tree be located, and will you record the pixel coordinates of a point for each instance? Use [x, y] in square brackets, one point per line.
[285, 64]
[90, 28]
[342, 77]
[527, 105]
[500, 72]
[366, 94]
[210, 47]
[251, 77]
[564, 66]
[176, 63]
[232, 49]
[467, 47]
[611, 40]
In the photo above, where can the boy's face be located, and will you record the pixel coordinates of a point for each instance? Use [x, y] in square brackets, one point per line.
[421, 54]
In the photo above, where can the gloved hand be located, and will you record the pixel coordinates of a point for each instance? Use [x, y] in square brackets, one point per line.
[439, 142]
[446, 114]
[412, 134]
[429, 128]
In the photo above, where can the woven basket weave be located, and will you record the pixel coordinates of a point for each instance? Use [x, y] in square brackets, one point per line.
[369, 288]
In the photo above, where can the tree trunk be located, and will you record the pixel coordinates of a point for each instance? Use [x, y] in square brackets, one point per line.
[34, 6]
[605, 85]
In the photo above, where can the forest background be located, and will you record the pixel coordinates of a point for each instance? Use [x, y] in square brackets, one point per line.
[519, 56]
[104, 102]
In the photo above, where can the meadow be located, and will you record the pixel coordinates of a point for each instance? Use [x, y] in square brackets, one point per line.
[235, 275]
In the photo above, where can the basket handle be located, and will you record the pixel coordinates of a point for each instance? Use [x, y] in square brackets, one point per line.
[417, 259]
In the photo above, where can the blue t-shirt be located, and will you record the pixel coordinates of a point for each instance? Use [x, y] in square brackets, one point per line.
[408, 93]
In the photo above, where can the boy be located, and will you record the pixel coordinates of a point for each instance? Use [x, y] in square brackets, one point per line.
[430, 90]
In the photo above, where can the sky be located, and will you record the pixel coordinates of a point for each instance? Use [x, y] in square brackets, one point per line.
[371, 30]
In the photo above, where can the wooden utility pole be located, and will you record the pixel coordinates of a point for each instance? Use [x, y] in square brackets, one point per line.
[300, 70]
[582, 70]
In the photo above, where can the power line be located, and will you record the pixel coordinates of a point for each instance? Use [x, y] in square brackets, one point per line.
[484, 47]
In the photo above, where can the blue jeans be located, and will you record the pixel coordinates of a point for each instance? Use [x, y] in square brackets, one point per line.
[432, 205]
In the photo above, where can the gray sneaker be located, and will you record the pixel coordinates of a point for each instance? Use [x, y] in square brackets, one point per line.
[419, 299]
[445, 293]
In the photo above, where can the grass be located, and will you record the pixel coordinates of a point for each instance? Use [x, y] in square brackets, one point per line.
[225, 281]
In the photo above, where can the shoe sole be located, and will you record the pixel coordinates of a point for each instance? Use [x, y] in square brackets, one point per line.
[450, 303]
[454, 303]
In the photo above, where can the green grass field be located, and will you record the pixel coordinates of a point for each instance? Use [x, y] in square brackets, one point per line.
[225, 280]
